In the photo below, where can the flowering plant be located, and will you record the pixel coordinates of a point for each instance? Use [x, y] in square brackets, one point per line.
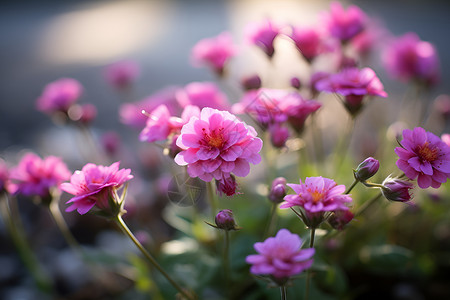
[251, 185]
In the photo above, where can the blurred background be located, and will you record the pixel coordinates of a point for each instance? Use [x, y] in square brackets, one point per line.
[42, 41]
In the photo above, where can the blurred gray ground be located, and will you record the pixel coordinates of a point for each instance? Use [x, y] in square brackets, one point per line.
[41, 41]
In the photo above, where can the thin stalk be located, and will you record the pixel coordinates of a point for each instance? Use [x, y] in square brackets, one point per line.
[212, 199]
[283, 292]
[272, 222]
[367, 204]
[150, 258]
[355, 182]
[226, 259]
[26, 254]
[308, 275]
[55, 212]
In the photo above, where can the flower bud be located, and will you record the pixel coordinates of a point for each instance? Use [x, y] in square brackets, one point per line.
[366, 169]
[278, 190]
[395, 189]
[340, 218]
[227, 186]
[251, 82]
[278, 135]
[224, 220]
[295, 83]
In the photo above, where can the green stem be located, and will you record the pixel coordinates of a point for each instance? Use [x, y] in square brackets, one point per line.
[308, 275]
[355, 182]
[55, 212]
[150, 258]
[212, 199]
[272, 222]
[367, 204]
[23, 249]
[226, 259]
[283, 292]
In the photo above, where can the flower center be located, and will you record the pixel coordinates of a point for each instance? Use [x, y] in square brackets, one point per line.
[316, 196]
[426, 153]
[215, 139]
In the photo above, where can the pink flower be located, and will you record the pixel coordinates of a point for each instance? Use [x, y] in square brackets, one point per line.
[84, 113]
[395, 189]
[280, 257]
[262, 34]
[343, 24]
[298, 113]
[214, 52]
[202, 94]
[131, 113]
[34, 176]
[408, 58]
[59, 95]
[94, 185]
[122, 74]
[353, 84]
[160, 124]
[424, 156]
[309, 42]
[317, 194]
[216, 144]
[278, 135]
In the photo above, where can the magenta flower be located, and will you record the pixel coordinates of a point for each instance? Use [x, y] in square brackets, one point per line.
[316, 197]
[34, 176]
[262, 34]
[202, 94]
[278, 135]
[272, 106]
[309, 42]
[217, 144]
[94, 185]
[424, 156]
[160, 124]
[131, 113]
[122, 74]
[408, 58]
[354, 84]
[280, 257]
[227, 185]
[214, 52]
[317, 194]
[343, 24]
[59, 95]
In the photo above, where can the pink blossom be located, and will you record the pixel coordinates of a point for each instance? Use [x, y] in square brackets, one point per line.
[278, 135]
[424, 156]
[122, 74]
[131, 113]
[408, 58]
[84, 113]
[344, 24]
[202, 94]
[214, 52]
[298, 113]
[160, 124]
[59, 95]
[262, 34]
[34, 176]
[309, 42]
[354, 84]
[216, 144]
[94, 186]
[315, 197]
[280, 256]
[367, 40]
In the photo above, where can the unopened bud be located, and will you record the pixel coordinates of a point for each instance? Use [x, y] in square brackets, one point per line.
[366, 169]
[278, 190]
[395, 189]
[295, 83]
[224, 220]
[340, 218]
[251, 82]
